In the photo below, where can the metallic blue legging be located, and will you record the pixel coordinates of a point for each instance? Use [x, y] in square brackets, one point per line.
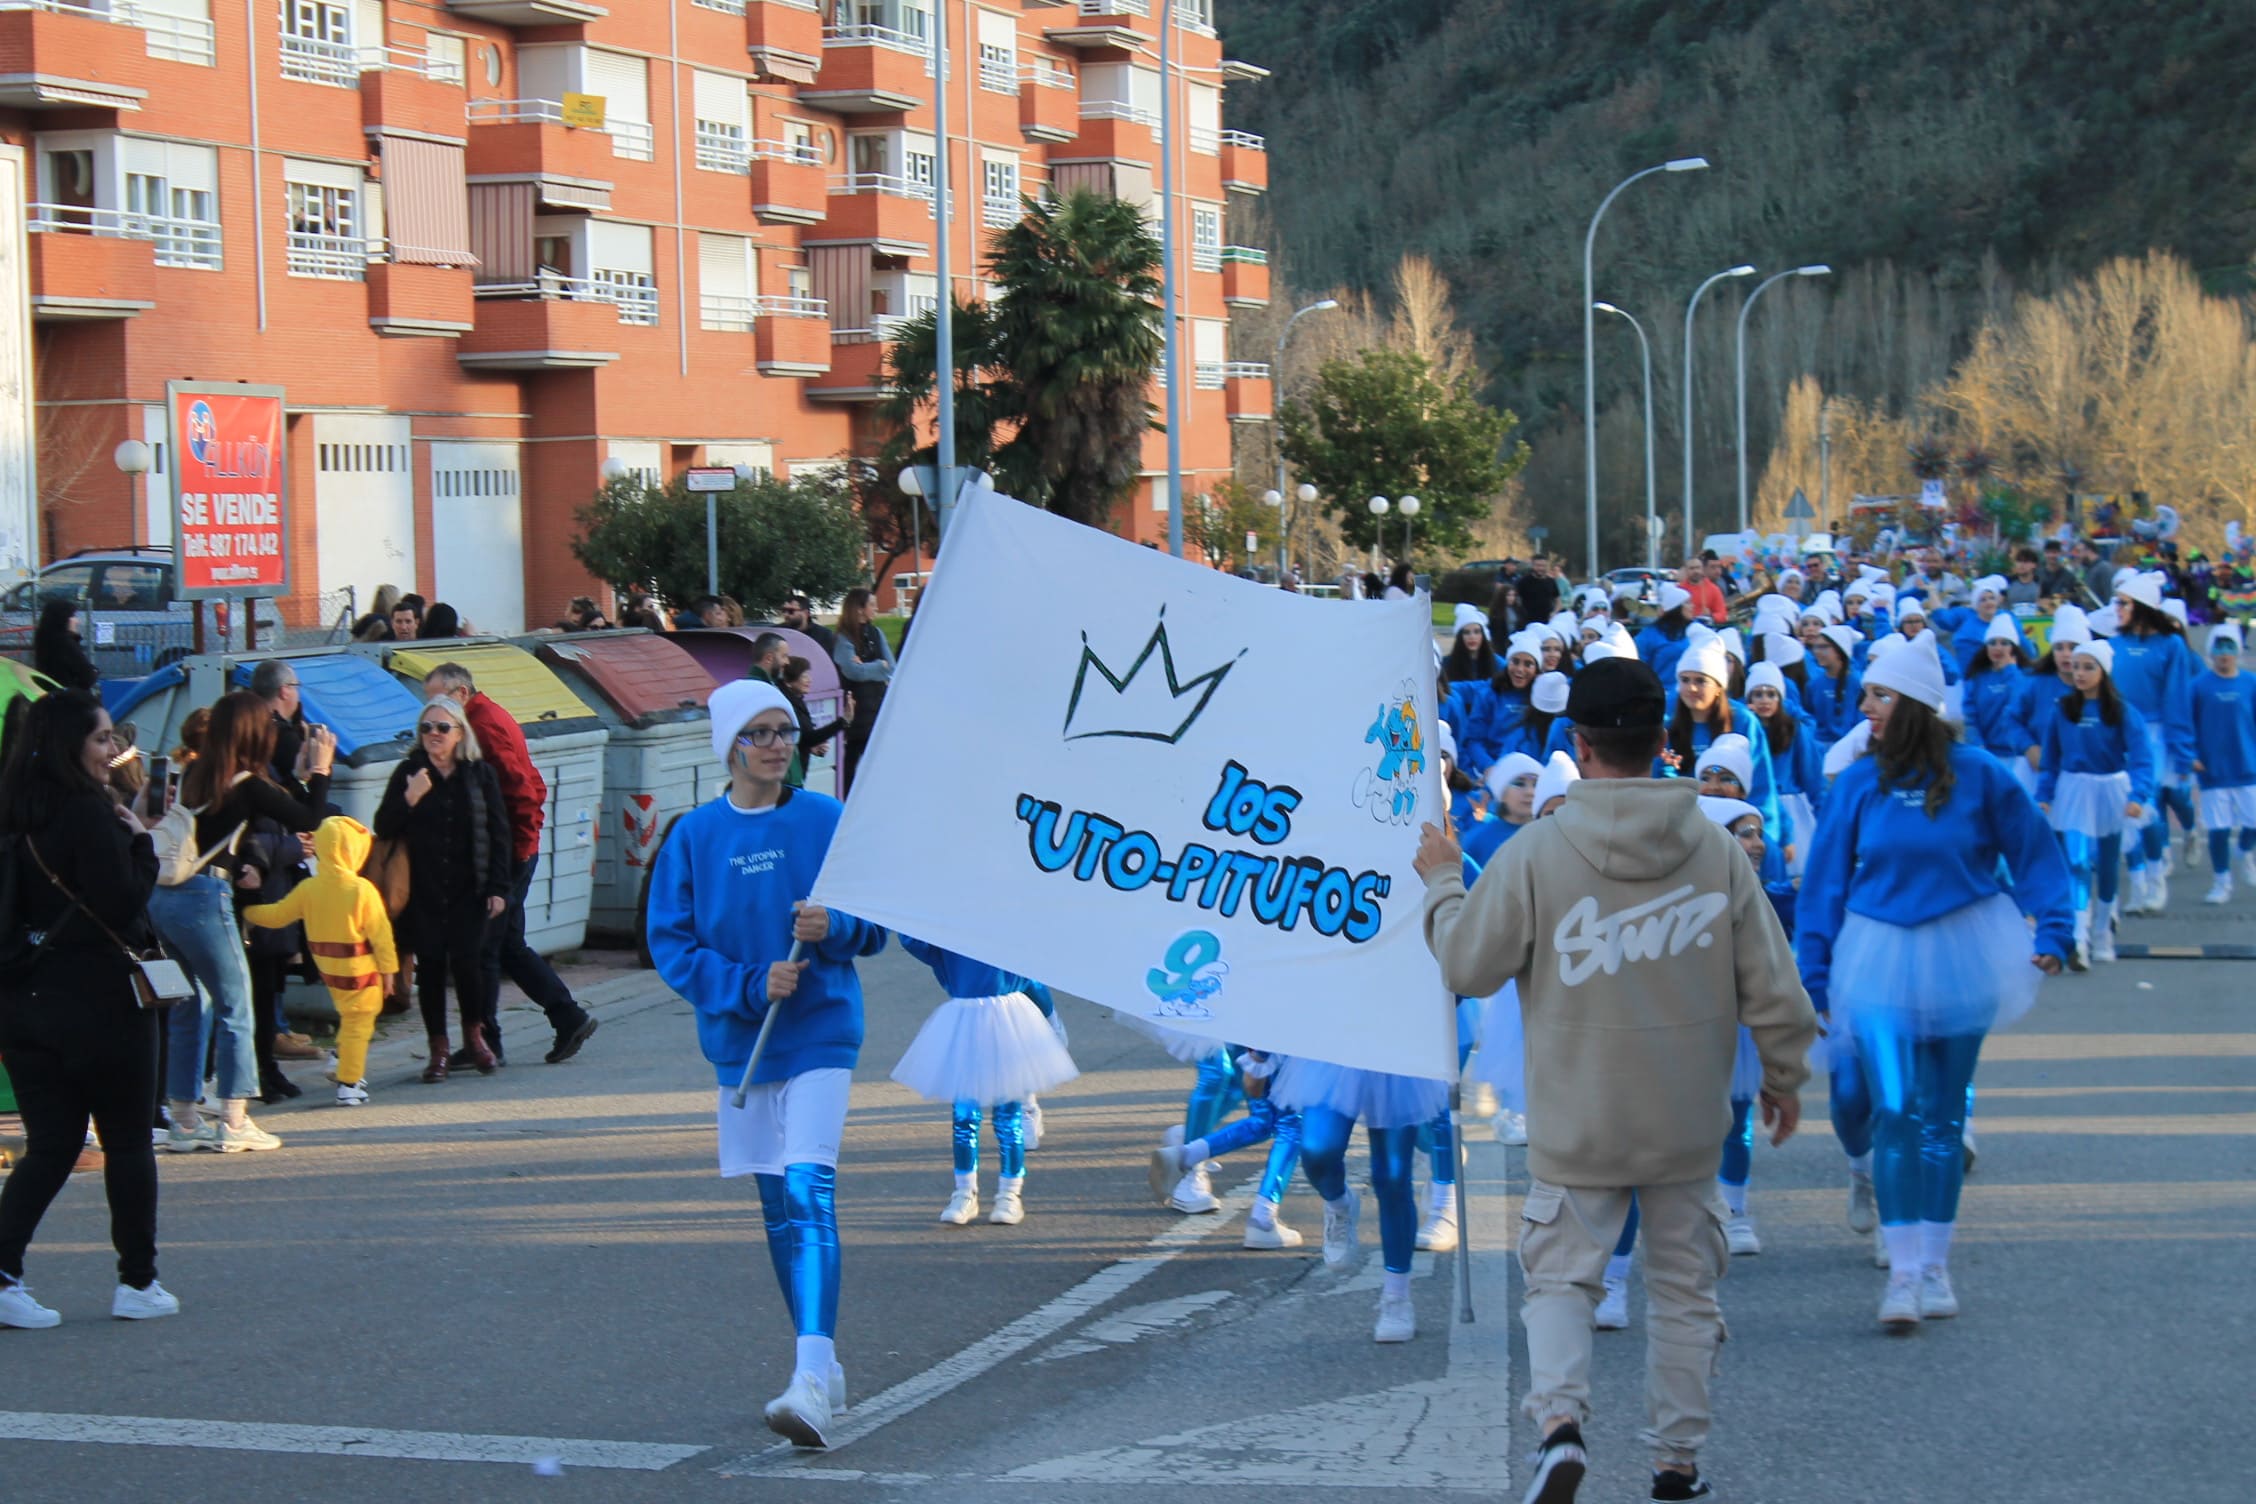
[1212, 1094]
[1919, 1102]
[2220, 848]
[1010, 1138]
[1739, 1148]
[1439, 1137]
[1263, 1121]
[2084, 854]
[1851, 1104]
[801, 1210]
[1394, 1151]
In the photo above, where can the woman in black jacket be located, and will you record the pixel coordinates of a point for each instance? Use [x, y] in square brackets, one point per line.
[55, 651]
[77, 1044]
[446, 802]
[797, 680]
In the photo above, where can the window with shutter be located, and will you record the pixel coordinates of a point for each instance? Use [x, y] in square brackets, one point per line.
[724, 122]
[725, 279]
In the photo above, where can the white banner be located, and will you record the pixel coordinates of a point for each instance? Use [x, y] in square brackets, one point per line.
[1185, 796]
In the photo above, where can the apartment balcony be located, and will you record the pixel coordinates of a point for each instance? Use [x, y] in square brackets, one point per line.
[789, 185]
[55, 56]
[784, 38]
[551, 324]
[408, 298]
[1049, 105]
[857, 368]
[1110, 129]
[882, 209]
[871, 70]
[528, 138]
[528, 12]
[1247, 394]
[1102, 24]
[405, 90]
[791, 336]
[310, 60]
[1245, 162]
[90, 263]
[1245, 276]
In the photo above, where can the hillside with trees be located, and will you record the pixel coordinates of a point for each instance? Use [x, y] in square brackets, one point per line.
[1961, 167]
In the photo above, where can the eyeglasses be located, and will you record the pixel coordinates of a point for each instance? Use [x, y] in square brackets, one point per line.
[438, 728]
[768, 736]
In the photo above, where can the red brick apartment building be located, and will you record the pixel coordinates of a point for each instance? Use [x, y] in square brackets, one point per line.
[472, 304]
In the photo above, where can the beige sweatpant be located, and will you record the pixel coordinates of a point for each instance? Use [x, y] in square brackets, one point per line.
[1566, 1235]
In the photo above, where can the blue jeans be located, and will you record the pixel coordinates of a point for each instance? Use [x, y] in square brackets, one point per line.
[197, 920]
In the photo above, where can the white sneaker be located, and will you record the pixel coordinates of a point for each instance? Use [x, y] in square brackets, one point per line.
[1480, 1101]
[1613, 1311]
[837, 1394]
[2103, 936]
[1032, 1121]
[250, 1138]
[1194, 1193]
[1438, 1233]
[1879, 1248]
[1899, 1308]
[1864, 1204]
[1511, 1128]
[1271, 1235]
[1398, 1319]
[18, 1309]
[352, 1094]
[1010, 1207]
[1739, 1235]
[2194, 841]
[1343, 1230]
[2169, 862]
[205, 1135]
[801, 1413]
[1937, 1301]
[1167, 1168]
[962, 1207]
[2220, 890]
[130, 1304]
[2248, 868]
[2158, 890]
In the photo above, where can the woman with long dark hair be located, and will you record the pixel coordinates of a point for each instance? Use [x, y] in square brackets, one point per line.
[1662, 643]
[231, 787]
[1832, 693]
[76, 1041]
[865, 662]
[1483, 715]
[1705, 711]
[2097, 782]
[55, 649]
[1472, 657]
[2000, 695]
[1908, 937]
[2154, 670]
[1796, 761]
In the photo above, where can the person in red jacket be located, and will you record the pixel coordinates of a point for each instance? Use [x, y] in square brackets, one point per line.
[525, 793]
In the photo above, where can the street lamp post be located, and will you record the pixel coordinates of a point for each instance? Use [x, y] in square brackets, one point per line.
[1304, 495]
[1409, 505]
[1690, 309]
[1380, 506]
[1590, 351]
[1276, 372]
[944, 317]
[1645, 348]
[1816, 269]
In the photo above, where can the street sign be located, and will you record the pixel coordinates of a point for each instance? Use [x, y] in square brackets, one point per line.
[1800, 506]
[710, 477]
[583, 111]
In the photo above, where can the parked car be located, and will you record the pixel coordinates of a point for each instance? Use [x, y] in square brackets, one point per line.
[129, 620]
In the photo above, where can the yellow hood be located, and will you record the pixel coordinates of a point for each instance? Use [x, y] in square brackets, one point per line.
[340, 846]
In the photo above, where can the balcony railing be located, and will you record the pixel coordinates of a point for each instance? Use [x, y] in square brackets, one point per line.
[1195, 17]
[1112, 109]
[178, 39]
[787, 151]
[1206, 258]
[1244, 140]
[1001, 212]
[1048, 73]
[880, 182]
[1209, 375]
[1243, 370]
[338, 258]
[1244, 255]
[729, 7]
[1115, 7]
[635, 304]
[396, 59]
[729, 313]
[633, 139]
[179, 242]
[722, 150]
[313, 61]
[776, 305]
[1205, 140]
[999, 75]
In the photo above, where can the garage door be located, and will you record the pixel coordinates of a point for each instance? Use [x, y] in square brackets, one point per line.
[478, 534]
[364, 496]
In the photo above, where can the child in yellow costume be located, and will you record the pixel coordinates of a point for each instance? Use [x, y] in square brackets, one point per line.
[349, 936]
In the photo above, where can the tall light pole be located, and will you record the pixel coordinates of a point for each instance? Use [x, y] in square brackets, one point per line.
[1305, 496]
[944, 332]
[1277, 371]
[1590, 351]
[1380, 506]
[1690, 309]
[1816, 269]
[1645, 348]
[1167, 278]
[1409, 505]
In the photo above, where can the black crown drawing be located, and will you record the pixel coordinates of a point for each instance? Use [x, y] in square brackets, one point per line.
[1136, 704]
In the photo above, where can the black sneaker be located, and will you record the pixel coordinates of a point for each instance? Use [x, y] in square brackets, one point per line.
[568, 1041]
[1672, 1487]
[1559, 1466]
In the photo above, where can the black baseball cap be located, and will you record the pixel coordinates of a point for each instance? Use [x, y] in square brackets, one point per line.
[1620, 694]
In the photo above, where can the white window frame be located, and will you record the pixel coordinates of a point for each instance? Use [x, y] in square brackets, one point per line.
[335, 249]
[317, 43]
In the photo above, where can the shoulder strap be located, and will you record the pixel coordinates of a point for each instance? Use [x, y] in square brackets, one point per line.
[75, 901]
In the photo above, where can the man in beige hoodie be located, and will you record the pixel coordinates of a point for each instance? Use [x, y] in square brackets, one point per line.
[1641, 940]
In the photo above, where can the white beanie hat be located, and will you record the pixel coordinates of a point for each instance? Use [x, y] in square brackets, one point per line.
[1470, 615]
[1848, 749]
[1624, 645]
[1828, 601]
[1990, 584]
[1707, 657]
[1549, 692]
[1735, 755]
[1882, 596]
[1733, 644]
[2146, 589]
[1445, 740]
[1858, 589]
[2101, 653]
[1910, 668]
[1527, 644]
[1508, 767]
[1593, 652]
[1844, 637]
[1558, 773]
[2002, 629]
[1726, 812]
[2175, 609]
[1912, 606]
[2070, 624]
[1783, 650]
[1765, 675]
[2225, 639]
[1673, 596]
[735, 703]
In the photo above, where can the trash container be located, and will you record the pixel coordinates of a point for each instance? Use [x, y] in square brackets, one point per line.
[566, 740]
[725, 653]
[650, 696]
[19, 681]
[371, 712]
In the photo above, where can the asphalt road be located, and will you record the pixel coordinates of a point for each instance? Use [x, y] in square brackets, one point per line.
[534, 1286]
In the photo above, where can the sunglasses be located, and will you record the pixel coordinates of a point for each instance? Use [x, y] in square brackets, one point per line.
[438, 728]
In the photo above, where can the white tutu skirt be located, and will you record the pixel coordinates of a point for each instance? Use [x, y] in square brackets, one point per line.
[1188, 1048]
[1965, 973]
[985, 1050]
[1801, 828]
[1502, 1061]
[2090, 804]
[1746, 1069]
[2023, 774]
[1375, 1098]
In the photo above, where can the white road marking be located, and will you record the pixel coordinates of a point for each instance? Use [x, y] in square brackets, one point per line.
[339, 1441]
[1098, 1290]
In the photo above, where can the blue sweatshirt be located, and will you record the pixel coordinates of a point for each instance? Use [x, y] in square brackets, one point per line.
[1800, 769]
[2089, 745]
[1880, 855]
[1661, 649]
[1764, 795]
[1969, 634]
[964, 977]
[1527, 730]
[1482, 842]
[1833, 704]
[2224, 729]
[2154, 675]
[1490, 710]
[1998, 703]
[720, 915]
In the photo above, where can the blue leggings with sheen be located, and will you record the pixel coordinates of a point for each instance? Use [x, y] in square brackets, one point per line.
[1263, 1121]
[1439, 1137]
[1919, 1103]
[2221, 844]
[1739, 1148]
[1010, 1138]
[800, 1207]
[1211, 1095]
[1851, 1104]
[2085, 854]
[1394, 1152]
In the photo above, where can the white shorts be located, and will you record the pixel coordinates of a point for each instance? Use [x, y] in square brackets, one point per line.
[2229, 809]
[798, 1121]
